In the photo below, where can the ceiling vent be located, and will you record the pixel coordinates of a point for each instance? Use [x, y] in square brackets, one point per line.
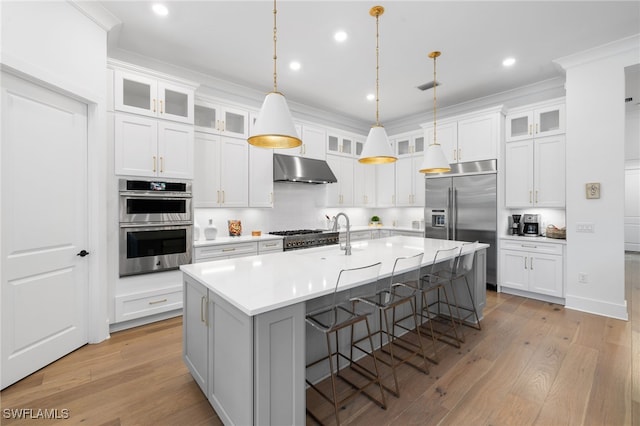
[427, 86]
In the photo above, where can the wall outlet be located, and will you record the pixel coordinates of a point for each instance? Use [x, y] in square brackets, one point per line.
[583, 278]
[587, 227]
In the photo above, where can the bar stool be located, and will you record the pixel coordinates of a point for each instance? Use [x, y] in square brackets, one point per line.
[438, 311]
[340, 316]
[463, 266]
[386, 300]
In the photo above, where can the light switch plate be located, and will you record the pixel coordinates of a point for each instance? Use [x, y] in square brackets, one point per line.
[593, 190]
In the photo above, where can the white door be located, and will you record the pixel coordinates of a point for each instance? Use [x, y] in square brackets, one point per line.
[43, 226]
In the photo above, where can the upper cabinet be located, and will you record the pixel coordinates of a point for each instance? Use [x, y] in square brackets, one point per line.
[340, 144]
[409, 182]
[410, 144]
[313, 143]
[469, 137]
[545, 119]
[146, 95]
[215, 118]
[148, 147]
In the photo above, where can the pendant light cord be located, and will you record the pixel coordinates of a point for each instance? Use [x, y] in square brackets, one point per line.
[377, 70]
[275, 56]
[435, 140]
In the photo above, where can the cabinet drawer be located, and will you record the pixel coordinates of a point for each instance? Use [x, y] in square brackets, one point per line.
[269, 245]
[141, 305]
[533, 246]
[225, 250]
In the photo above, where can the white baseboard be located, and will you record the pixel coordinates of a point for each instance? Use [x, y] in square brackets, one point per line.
[119, 326]
[598, 307]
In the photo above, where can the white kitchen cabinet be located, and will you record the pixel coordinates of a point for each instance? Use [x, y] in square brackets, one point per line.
[535, 172]
[216, 118]
[409, 182]
[221, 171]
[469, 137]
[340, 193]
[153, 148]
[142, 94]
[535, 267]
[313, 143]
[537, 120]
[260, 177]
[196, 320]
[364, 186]
[385, 185]
[207, 253]
[270, 246]
[409, 144]
[340, 144]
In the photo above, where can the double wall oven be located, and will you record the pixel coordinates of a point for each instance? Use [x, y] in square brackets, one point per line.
[156, 226]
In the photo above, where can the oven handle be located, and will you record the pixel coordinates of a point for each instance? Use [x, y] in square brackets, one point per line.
[147, 194]
[162, 225]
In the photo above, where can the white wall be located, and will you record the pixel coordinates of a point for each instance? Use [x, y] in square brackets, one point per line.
[57, 45]
[595, 153]
[632, 180]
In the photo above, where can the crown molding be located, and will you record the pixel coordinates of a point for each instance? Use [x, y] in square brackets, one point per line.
[626, 45]
[97, 13]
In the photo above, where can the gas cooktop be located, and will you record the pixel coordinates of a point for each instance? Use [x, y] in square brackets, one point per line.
[307, 238]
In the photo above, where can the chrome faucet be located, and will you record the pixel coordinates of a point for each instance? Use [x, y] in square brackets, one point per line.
[347, 247]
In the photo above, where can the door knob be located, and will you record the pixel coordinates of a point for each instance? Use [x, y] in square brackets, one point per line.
[82, 253]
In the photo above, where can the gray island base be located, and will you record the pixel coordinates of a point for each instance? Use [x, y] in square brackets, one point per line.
[246, 343]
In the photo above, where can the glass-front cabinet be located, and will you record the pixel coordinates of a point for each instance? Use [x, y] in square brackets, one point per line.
[410, 144]
[534, 123]
[340, 144]
[214, 118]
[145, 95]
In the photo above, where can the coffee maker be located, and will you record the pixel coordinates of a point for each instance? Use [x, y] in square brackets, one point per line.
[514, 224]
[531, 225]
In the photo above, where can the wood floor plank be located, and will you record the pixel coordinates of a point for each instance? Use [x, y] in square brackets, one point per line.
[568, 397]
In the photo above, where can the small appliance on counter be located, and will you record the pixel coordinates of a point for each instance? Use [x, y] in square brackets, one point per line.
[531, 225]
[515, 226]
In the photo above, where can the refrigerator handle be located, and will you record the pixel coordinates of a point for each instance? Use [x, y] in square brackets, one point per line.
[454, 213]
[448, 218]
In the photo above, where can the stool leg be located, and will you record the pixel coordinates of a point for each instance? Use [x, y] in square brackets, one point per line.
[413, 303]
[333, 377]
[375, 364]
[423, 303]
[473, 305]
[455, 302]
[390, 342]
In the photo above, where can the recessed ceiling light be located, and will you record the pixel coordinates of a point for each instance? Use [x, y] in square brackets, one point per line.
[509, 62]
[340, 36]
[371, 97]
[160, 9]
[294, 65]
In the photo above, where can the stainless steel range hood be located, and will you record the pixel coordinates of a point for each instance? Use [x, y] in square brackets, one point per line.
[287, 168]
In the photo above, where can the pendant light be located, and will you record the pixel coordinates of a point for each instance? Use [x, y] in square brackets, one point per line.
[434, 159]
[377, 149]
[274, 126]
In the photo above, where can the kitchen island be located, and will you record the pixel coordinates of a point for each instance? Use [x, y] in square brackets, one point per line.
[244, 329]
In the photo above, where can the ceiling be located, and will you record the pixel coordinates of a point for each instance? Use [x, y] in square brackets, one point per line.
[232, 41]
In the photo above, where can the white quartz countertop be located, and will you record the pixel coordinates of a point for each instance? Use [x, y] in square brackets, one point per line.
[262, 283]
[230, 240]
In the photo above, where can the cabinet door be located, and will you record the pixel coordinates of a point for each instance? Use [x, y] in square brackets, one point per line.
[364, 184]
[196, 332]
[175, 102]
[333, 189]
[385, 185]
[260, 177]
[205, 117]
[206, 182]
[418, 182]
[136, 145]
[515, 272]
[549, 121]
[234, 172]
[135, 93]
[518, 180]
[478, 138]
[545, 274]
[235, 122]
[403, 146]
[313, 142]
[175, 150]
[404, 181]
[519, 126]
[549, 174]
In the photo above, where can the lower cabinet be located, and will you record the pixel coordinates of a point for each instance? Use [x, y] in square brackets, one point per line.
[251, 368]
[536, 268]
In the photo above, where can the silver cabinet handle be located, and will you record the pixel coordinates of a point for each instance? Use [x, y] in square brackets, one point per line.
[202, 305]
[531, 264]
[229, 249]
[271, 244]
[525, 263]
[155, 302]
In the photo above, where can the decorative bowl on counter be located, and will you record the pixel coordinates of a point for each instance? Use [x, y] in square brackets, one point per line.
[553, 232]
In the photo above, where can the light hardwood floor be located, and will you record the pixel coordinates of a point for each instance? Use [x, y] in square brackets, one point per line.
[533, 363]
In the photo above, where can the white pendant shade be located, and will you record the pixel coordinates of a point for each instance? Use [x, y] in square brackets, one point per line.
[274, 127]
[434, 160]
[377, 149]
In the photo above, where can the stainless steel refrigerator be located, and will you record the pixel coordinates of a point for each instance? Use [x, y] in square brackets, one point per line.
[463, 207]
